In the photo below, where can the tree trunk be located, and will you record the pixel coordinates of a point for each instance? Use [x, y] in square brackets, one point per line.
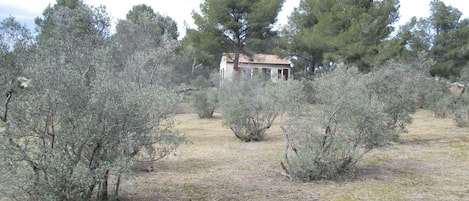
[236, 61]
[103, 192]
[5, 113]
[117, 185]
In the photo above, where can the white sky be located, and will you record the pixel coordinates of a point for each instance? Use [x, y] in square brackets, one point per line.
[180, 10]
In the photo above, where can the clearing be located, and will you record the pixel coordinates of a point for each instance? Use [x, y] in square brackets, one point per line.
[431, 162]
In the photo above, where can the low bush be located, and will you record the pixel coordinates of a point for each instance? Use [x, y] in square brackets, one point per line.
[250, 105]
[205, 102]
[355, 113]
[461, 111]
[437, 98]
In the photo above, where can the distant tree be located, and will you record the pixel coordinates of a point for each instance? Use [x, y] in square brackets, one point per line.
[151, 38]
[82, 24]
[450, 39]
[205, 45]
[355, 113]
[164, 24]
[443, 18]
[232, 26]
[415, 37]
[438, 99]
[323, 31]
[144, 29]
[443, 34]
[461, 112]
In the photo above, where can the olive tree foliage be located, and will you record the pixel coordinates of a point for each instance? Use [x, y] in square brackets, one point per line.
[355, 113]
[205, 99]
[143, 29]
[438, 98]
[81, 123]
[83, 23]
[448, 99]
[151, 38]
[15, 42]
[155, 66]
[205, 102]
[461, 108]
[445, 98]
[250, 105]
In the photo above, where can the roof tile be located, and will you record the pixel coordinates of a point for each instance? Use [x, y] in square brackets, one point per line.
[257, 59]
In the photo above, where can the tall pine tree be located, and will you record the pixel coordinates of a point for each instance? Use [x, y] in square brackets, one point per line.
[349, 31]
[232, 26]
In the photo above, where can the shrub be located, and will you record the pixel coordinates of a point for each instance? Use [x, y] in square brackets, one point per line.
[250, 105]
[438, 101]
[205, 102]
[201, 82]
[436, 97]
[355, 113]
[393, 87]
[461, 118]
[461, 112]
[82, 122]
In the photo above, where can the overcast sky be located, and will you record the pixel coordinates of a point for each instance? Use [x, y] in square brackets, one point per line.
[180, 10]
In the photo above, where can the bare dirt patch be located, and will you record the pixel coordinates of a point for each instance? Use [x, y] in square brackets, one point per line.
[430, 163]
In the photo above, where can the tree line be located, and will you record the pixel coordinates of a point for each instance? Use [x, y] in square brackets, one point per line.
[322, 33]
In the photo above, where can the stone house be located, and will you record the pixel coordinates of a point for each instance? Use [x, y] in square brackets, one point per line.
[276, 68]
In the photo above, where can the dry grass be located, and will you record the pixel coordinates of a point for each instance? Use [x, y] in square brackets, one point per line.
[430, 163]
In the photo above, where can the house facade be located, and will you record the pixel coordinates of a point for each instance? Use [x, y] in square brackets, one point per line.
[270, 65]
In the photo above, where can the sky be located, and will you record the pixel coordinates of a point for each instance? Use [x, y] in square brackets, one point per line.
[180, 11]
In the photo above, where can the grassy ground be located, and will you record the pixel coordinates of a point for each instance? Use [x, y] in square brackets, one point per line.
[430, 163]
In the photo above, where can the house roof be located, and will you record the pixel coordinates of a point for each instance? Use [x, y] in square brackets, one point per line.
[257, 59]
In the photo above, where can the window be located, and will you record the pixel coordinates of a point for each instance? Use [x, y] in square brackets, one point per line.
[247, 72]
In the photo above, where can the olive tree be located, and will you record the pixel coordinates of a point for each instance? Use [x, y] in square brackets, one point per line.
[15, 43]
[205, 102]
[149, 37]
[355, 113]
[461, 113]
[81, 123]
[438, 98]
[250, 105]
[205, 99]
